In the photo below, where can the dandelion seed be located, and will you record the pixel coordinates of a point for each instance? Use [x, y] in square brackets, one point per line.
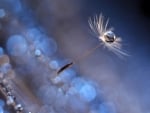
[106, 35]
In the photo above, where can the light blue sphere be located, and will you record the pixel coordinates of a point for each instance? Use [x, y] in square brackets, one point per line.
[46, 44]
[77, 83]
[33, 34]
[54, 64]
[88, 92]
[17, 45]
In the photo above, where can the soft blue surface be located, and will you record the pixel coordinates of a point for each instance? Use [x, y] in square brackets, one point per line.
[17, 45]
[5, 68]
[1, 51]
[12, 5]
[46, 45]
[77, 83]
[54, 64]
[67, 75]
[47, 94]
[88, 92]
[103, 109]
[2, 13]
[33, 34]
[2, 103]
[1, 110]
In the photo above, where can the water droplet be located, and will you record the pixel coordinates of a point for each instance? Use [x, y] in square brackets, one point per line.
[37, 52]
[109, 36]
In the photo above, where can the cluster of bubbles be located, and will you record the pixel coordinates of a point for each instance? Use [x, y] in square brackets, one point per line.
[19, 45]
[66, 89]
[71, 89]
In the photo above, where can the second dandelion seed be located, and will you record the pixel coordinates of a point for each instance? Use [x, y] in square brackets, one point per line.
[106, 35]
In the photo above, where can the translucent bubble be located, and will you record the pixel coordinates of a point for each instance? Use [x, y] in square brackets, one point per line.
[77, 105]
[64, 78]
[1, 51]
[57, 80]
[47, 94]
[2, 13]
[33, 34]
[47, 45]
[67, 75]
[77, 83]
[41, 41]
[88, 92]
[54, 64]
[17, 45]
[71, 91]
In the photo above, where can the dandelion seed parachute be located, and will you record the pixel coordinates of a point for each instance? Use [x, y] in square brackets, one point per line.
[106, 35]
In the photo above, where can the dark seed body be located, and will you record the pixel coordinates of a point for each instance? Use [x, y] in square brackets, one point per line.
[64, 67]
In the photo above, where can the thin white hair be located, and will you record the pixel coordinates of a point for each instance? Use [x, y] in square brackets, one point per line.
[100, 27]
